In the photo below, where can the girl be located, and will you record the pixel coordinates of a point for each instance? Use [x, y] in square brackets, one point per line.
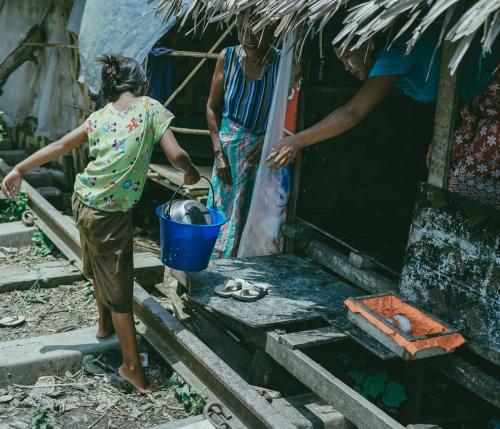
[121, 137]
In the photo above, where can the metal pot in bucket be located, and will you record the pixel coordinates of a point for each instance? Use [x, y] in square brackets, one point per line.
[188, 231]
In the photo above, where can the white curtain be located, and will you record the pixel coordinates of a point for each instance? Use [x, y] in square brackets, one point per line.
[272, 188]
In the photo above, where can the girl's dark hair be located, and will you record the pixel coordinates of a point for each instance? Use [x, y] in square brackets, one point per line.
[121, 74]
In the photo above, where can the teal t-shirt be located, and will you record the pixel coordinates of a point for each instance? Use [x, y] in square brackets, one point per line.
[420, 83]
[121, 143]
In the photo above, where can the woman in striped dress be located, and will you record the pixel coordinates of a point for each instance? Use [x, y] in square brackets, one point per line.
[237, 114]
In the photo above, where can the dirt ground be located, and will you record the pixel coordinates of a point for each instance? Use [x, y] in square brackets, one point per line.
[85, 400]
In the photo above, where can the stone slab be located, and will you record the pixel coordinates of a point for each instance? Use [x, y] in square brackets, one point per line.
[23, 361]
[50, 274]
[309, 411]
[195, 422]
[38, 176]
[16, 234]
[6, 144]
[298, 291]
[52, 194]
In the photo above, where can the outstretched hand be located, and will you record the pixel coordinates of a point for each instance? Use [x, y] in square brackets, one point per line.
[11, 184]
[283, 153]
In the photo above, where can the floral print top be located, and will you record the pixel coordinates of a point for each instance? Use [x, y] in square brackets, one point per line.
[121, 143]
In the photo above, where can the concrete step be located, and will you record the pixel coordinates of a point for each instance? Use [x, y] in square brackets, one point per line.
[52, 195]
[23, 361]
[309, 411]
[194, 422]
[39, 176]
[53, 273]
[13, 157]
[16, 234]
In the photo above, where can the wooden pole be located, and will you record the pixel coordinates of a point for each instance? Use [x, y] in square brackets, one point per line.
[190, 131]
[445, 120]
[212, 49]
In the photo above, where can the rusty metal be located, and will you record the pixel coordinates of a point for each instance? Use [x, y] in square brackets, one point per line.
[218, 418]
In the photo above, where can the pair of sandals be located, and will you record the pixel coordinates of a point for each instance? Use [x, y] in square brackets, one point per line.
[10, 320]
[242, 290]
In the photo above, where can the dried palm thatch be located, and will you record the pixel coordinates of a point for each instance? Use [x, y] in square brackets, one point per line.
[460, 20]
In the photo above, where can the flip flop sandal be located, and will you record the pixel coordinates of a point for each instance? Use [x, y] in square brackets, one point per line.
[250, 292]
[10, 320]
[229, 287]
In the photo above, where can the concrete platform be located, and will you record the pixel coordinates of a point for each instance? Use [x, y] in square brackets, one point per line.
[13, 157]
[23, 361]
[16, 234]
[54, 273]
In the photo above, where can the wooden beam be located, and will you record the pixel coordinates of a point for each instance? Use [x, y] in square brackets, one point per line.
[351, 404]
[368, 280]
[445, 120]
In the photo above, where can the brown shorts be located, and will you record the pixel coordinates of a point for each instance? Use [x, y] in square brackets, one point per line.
[108, 253]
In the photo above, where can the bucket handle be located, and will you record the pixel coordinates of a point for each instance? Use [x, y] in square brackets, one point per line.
[178, 189]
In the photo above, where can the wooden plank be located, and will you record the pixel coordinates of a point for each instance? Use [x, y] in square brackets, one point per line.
[337, 262]
[482, 384]
[176, 177]
[361, 261]
[351, 404]
[444, 125]
[312, 337]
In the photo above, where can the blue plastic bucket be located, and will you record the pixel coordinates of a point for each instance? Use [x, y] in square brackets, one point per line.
[185, 246]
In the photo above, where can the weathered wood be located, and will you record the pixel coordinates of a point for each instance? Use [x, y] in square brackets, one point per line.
[261, 369]
[445, 120]
[452, 268]
[297, 231]
[351, 404]
[360, 261]
[482, 384]
[176, 177]
[312, 337]
[21, 54]
[337, 262]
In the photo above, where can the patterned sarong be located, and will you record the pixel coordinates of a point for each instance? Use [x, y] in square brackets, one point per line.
[475, 159]
[233, 200]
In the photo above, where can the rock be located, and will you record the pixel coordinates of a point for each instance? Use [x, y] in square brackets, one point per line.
[6, 398]
[146, 407]
[28, 403]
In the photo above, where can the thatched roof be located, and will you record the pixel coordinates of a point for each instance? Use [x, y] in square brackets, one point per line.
[460, 20]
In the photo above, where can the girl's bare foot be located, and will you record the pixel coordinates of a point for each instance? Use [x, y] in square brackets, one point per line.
[105, 330]
[137, 377]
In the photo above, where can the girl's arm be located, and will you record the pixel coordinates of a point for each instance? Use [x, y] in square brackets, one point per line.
[12, 182]
[214, 119]
[179, 158]
[338, 122]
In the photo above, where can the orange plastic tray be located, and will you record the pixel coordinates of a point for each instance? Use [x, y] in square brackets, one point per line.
[427, 337]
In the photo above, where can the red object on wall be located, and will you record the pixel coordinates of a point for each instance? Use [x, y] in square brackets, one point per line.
[292, 107]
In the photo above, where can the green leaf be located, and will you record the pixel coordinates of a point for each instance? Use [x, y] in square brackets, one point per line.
[358, 376]
[394, 394]
[186, 398]
[373, 386]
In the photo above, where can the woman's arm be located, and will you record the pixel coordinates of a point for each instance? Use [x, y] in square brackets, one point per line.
[338, 122]
[179, 158]
[12, 182]
[214, 119]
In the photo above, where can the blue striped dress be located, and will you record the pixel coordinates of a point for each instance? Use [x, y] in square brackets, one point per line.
[247, 102]
[244, 121]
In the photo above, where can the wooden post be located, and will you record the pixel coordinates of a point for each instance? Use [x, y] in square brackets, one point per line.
[213, 48]
[445, 120]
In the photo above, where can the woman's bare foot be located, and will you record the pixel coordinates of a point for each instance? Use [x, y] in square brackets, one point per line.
[137, 377]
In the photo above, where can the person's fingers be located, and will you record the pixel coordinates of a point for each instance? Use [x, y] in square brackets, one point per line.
[277, 160]
[274, 152]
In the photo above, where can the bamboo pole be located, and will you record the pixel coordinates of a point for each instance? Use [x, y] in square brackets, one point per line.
[49, 45]
[212, 49]
[193, 54]
[190, 131]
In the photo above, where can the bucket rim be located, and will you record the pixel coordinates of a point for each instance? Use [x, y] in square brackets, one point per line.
[224, 220]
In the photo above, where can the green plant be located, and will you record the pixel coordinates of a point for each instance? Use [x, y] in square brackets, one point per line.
[386, 393]
[41, 418]
[14, 208]
[189, 395]
[1, 130]
[42, 244]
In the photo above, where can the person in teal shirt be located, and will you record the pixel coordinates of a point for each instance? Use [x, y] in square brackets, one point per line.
[475, 160]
